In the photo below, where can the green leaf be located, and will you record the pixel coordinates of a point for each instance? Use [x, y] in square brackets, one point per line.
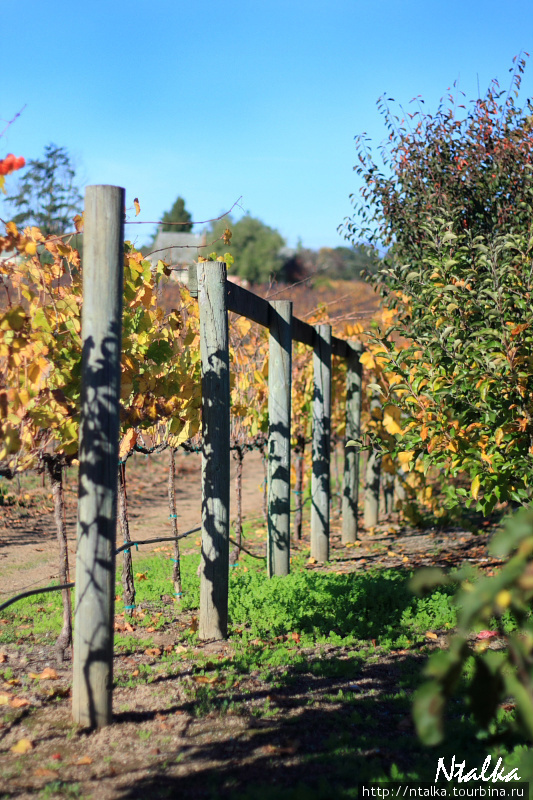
[428, 708]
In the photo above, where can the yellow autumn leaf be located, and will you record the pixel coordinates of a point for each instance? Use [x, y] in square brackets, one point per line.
[391, 419]
[127, 444]
[367, 360]
[22, 746]
[474, 489]
[406, 457]
[137, 206]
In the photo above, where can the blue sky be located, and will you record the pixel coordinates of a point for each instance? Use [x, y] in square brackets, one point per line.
[217, 101]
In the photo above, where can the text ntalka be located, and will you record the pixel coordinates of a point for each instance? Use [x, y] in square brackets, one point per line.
[458, 772]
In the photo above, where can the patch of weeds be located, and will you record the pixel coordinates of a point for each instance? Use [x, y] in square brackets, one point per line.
[144, 734]
[62, 788]
[128, 644]
[36, 617]
[364, 606]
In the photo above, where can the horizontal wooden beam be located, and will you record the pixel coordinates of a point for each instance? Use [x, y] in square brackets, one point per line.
[343, 349]
[251, 306]
[247, 304]
[302, 332]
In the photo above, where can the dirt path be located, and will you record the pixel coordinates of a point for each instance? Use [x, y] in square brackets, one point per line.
[28, 544]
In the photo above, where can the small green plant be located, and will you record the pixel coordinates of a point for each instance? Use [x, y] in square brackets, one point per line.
[62, 788]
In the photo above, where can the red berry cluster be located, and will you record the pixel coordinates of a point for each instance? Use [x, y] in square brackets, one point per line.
[10, 163]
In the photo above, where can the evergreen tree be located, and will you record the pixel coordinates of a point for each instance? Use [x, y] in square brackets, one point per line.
[178, 213]
[47, 195]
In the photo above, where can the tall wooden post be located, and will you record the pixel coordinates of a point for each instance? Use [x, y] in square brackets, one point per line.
[373, 474]
[350, 488]
[214, 350]
[320, 479]
[279, 437]
[103, 255]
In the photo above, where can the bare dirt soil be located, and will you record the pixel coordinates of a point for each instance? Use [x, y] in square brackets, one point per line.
[28, 539]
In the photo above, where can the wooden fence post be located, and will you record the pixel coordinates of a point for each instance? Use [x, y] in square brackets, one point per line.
[372, 476]
[214, 349]
[350, 488]
[320, 479]
[103, 257]
[279, 437]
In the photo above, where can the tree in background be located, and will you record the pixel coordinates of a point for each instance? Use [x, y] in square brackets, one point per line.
[177, 214]
[254, 246]
[47, 195]
[347, 263]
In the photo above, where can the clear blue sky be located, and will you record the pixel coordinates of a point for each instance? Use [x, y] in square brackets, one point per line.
[216, 100]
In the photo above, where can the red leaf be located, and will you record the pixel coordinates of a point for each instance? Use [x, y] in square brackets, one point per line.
[486, 634]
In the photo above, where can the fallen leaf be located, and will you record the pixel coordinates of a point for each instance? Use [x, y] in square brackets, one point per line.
[19, 702]
[83, 761]
[3, 658]
[43, 772]
[431, 635]
[486, 634]
[49, 674]
[206, 679]
[151, 629]
[22, 746]
[56, 756]
[179, 648]
[141, 576]
[135, 673]
[153, 651]
[194, 625]
[4, 699]
[295, 637]
[311, 560]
